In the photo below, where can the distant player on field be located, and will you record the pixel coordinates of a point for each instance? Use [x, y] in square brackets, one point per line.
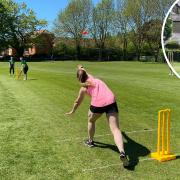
[24, 68]
[11, 65]
[102, 101]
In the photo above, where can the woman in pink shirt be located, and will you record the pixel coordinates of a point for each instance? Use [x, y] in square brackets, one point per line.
[102, 101]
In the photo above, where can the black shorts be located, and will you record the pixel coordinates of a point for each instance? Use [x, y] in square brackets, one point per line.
[25, 69]
[11, 66]
[111, 108]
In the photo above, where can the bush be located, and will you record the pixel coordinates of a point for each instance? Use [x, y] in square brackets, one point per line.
[161, 57]
[172, 45]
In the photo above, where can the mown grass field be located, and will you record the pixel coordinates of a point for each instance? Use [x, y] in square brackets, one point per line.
[38, 141]
[177, 67]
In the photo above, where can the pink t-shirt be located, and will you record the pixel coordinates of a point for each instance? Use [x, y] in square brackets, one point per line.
[100, 94]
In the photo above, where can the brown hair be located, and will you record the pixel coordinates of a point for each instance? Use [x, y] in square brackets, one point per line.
[82, 75]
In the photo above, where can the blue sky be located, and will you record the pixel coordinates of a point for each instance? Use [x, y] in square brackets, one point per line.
[47, 9]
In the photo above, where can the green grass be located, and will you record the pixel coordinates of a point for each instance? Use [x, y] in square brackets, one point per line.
[177, 67]
[37, 141]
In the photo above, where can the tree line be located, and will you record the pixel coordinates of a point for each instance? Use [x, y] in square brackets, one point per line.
[125, 25]
[113, 28]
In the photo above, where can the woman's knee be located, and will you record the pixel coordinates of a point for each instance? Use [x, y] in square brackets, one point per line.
[92, 117]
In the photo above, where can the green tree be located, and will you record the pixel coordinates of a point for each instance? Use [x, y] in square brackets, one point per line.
[152, 36]
[141, 12]
[160, 8]
[21, 23]
[73, 20]
[101, 25]
[44, 40]
[5, 20]
[121, 24]
[168, 29]
[137, 14]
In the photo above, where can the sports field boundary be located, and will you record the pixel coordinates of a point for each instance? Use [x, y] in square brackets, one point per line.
[89, 170]
[109, 134]
[120, 164]
[111, 165]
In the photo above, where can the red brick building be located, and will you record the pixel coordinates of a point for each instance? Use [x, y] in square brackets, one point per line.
[43, 44]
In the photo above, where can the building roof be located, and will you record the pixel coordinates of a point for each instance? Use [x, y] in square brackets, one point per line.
[175, 17]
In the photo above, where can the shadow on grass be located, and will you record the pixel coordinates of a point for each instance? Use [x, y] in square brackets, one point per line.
[133, 150]
[177, 157]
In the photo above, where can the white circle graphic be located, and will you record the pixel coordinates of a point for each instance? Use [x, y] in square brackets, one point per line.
[162, 40]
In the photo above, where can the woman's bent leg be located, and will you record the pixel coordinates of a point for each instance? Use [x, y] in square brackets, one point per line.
[92, 117]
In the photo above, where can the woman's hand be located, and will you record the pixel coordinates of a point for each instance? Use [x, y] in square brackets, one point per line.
[78, 101]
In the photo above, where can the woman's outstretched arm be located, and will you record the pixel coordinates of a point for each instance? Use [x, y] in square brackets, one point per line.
[78, 101]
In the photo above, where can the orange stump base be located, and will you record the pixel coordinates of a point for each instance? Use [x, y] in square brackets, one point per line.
[163, 157]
